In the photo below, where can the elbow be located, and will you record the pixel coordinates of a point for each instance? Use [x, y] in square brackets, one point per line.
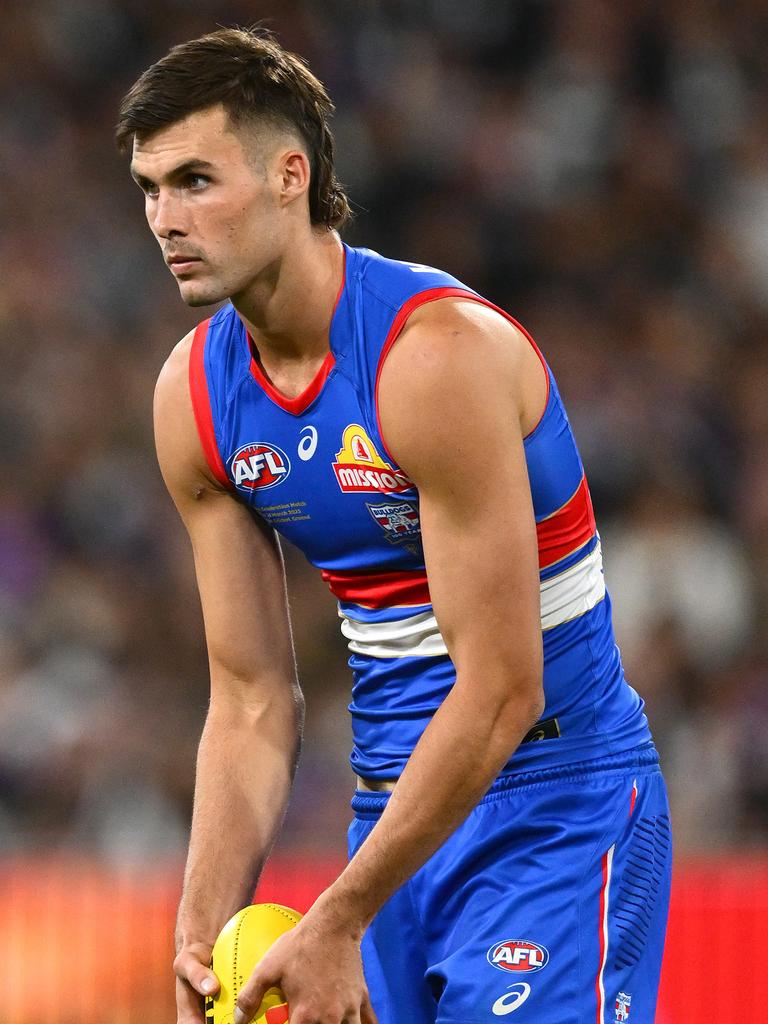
[511, 703]
[277, 707]
[523, 707]
[537, 706]
[520, 697]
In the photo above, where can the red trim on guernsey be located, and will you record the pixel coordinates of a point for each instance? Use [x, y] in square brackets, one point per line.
[430, 295]
[632, 798]
[599, 990]
[296, 406]
[567, 529]
[201, 404]
[379, 589]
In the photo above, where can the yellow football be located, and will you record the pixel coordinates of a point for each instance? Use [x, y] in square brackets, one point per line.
[242, 943]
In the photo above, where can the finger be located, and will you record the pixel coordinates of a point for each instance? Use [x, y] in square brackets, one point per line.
[367, 1015]
[191, 969]
[250, 997]
[189, 1009]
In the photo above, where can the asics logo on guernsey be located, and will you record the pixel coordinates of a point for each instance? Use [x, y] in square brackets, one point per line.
[511, 1000]
[308, 443]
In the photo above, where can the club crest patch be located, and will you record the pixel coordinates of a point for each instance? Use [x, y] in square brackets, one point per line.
[623, 1000]
[399, 520]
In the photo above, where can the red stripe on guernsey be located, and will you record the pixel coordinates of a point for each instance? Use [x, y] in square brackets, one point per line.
[297, 405]
[605, 888]
[567, 529]
[380, 589]
[632, 798]
[430, 295]
[201, 404]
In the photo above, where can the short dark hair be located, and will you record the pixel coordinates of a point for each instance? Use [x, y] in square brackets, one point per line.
[255, 79]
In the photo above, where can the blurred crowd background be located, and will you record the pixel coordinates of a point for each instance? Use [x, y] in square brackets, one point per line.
[598, 169]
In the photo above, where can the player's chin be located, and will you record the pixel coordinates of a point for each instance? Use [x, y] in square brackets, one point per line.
[199, 293]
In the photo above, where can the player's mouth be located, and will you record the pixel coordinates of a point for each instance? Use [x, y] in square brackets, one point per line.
[181, 264]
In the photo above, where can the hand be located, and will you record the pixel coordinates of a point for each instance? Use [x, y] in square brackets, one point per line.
[317, 966]
[194, 979]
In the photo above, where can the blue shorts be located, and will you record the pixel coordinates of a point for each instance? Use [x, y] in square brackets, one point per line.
[549, 902]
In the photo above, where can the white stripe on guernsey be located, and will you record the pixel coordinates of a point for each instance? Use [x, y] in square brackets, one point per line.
[606, 893]
[415, 636]
[564, 597]
[574, 592]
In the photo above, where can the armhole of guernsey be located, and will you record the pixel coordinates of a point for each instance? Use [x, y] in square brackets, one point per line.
[201, 405]
[430, 295]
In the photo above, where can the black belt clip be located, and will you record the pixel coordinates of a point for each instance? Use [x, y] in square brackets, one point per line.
[546, 729]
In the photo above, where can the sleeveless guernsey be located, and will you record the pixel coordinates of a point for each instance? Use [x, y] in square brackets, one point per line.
[317, 469]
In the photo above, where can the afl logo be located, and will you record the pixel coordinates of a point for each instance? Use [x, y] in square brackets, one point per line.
[517, 956]
[259, 465]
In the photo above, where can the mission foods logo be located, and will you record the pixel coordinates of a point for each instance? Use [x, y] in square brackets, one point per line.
[259, 465]
[360, 468]
[518, 956]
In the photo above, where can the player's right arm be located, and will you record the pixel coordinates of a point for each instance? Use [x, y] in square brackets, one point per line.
[250, 742]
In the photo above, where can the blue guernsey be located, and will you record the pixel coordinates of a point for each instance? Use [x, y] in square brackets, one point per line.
[317, 469]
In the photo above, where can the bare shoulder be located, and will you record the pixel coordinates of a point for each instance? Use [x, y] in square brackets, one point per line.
[179, 451]
[458, 362]
[453, 328]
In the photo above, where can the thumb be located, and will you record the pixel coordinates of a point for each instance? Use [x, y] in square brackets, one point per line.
[207, 984]
[191, 968]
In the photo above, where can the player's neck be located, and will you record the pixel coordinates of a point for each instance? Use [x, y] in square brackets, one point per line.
[288, 310]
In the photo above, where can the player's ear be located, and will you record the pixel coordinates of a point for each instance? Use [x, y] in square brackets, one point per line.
[294, 175]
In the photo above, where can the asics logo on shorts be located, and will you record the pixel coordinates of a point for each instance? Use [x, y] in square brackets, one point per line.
[511, 1000]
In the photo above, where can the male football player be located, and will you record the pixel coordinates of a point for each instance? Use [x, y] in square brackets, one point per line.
[510, 851]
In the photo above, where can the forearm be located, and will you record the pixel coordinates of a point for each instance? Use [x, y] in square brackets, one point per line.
[452, 766]
[245, 766]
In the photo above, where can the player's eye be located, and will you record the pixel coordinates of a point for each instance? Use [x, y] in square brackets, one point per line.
[197, 181]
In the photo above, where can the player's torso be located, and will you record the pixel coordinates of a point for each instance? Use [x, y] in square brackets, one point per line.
[317, 469]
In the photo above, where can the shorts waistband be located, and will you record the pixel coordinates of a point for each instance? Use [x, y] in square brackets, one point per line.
[546, 729]
[644, 757]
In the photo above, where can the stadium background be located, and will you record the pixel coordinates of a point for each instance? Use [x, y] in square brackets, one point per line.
[600, 170]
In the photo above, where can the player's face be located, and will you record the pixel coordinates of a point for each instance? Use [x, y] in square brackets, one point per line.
[214, 208]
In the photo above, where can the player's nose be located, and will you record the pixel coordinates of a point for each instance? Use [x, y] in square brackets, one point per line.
[166, 216]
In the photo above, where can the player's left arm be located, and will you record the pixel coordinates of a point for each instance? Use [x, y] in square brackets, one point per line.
[455, 396]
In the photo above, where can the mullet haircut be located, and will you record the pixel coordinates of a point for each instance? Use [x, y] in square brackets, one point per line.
[255, 80]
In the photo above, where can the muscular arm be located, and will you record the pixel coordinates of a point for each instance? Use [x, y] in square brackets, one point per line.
[250, 741]
[457, 393]
[454, 399]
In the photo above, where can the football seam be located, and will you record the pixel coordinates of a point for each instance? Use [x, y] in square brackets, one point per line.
[282, 910]
[234, 958]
